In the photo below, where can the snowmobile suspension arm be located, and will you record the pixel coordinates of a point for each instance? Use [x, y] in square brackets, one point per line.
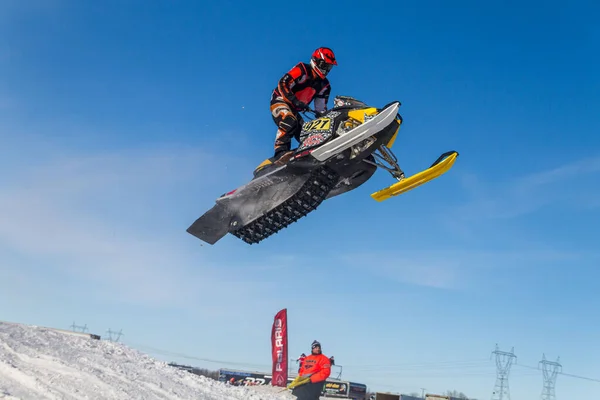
[387, 156]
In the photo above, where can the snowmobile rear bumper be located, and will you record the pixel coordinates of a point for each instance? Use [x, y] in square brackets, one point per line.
[438, 168]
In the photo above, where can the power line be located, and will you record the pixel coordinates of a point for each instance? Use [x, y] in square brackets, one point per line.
[562, 373]
[580, 377]
[432, 367]
[209, 360]
[426, 368]
[426, 363]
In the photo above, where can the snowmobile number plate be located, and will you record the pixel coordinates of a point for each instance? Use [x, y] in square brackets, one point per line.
[314, 140]
[315, 132]
[317, 125]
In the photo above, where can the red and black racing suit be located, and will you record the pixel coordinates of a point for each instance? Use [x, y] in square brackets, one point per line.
[295, 90]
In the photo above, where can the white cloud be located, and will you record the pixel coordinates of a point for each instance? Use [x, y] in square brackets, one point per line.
[408, 269]
[415, 272]
[458, 269]
[106, 220]
[570, 183]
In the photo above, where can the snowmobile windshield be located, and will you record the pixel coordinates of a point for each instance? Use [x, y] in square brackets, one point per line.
[348, 102]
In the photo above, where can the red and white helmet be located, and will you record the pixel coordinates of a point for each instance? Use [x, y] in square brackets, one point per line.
[322, 61]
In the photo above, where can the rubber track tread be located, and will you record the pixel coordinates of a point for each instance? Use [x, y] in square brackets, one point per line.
[307, 199]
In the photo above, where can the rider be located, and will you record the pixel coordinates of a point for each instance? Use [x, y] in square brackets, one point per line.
[294, 92]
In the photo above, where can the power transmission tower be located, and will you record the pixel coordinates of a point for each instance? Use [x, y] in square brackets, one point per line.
[503, 362]
[75, 327]
[551, 369]
[110, 333]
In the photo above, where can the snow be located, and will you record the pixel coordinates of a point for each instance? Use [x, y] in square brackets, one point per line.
[42, 363]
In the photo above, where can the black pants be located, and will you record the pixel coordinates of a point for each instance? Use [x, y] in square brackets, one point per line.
[308, 391]
[289, 124]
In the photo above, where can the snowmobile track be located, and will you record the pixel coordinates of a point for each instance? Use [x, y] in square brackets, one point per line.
[307, 199]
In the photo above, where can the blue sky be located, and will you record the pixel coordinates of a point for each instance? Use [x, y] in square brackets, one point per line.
[121, 122]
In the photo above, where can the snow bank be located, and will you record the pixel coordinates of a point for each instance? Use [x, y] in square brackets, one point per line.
[40, 363]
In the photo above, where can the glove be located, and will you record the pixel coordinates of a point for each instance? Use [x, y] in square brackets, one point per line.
[300, 106]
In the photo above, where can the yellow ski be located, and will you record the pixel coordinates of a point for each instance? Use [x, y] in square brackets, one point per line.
[438, 168]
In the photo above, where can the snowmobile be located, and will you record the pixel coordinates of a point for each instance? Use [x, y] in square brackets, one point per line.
[338, 152]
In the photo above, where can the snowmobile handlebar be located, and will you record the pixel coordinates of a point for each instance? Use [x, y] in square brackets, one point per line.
[310, 110]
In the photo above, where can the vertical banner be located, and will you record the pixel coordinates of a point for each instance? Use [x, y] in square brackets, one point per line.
[279, 349]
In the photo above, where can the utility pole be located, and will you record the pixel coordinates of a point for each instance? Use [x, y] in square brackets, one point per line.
[503, 362]
[81, 328]
[551, 369]
[110, 333]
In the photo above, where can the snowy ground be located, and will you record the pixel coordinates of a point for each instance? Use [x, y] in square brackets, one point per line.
[39, 363]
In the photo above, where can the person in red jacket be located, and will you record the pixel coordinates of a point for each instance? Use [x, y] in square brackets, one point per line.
[294, 92]
[318, 367]
[301, 361]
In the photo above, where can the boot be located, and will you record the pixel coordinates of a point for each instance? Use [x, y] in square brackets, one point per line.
[283, 157]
